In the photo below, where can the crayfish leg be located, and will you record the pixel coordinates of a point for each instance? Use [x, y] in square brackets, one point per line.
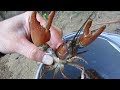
[62, 72]
[55, 73]
[46, 69]
[76, 59]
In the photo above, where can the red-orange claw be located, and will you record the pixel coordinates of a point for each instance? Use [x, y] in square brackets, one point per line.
[50, 19]
[35, 32]
[97, 33]
[61, 52]
[85, 40]
[39, 34]
[87, 28]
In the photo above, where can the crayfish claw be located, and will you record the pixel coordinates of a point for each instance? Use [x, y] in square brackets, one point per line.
[87, 28]
[39, 34]
[50, 19]
[89, 36]
[35, 29]
[98, 32]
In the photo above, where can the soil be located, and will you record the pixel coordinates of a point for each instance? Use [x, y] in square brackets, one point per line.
[16, 66]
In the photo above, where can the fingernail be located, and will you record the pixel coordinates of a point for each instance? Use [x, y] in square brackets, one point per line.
[47, 59]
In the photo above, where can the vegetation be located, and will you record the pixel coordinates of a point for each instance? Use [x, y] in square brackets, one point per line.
[45, 14]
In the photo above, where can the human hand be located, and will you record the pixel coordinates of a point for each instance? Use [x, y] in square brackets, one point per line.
[15, 37]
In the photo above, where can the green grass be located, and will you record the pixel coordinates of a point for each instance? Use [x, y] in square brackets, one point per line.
[45, 14]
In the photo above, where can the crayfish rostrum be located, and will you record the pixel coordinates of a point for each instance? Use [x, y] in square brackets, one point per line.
[67, 52]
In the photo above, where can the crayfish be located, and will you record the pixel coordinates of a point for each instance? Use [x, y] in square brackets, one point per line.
[67, 52]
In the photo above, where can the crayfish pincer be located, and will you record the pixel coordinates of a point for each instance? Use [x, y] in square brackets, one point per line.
[39, 34]
[62, 51]
[88, 36]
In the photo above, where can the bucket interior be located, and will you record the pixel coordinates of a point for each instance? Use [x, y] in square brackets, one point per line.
[101, 56]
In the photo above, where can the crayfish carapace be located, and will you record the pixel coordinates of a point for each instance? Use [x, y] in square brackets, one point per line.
[66, 53]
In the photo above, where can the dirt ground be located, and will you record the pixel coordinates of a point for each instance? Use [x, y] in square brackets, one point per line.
[16, 66]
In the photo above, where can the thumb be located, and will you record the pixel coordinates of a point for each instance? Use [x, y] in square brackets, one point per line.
[31, 51]
[47, 59]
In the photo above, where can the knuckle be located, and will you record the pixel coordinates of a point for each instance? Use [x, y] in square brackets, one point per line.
[32, 53]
